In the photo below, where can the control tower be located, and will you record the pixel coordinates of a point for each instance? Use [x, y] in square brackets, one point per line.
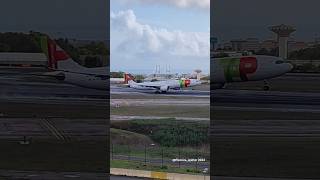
[283, 32]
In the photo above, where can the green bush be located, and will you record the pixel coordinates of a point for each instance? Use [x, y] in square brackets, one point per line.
[169, 132]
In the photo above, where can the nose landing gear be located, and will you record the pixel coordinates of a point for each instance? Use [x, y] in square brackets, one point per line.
[266, 86]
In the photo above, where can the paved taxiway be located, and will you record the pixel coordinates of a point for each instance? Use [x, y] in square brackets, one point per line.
[293, 92]
[259, 113]
[265, 97]
[267, 128]
[267, 134]
[59, 129]
[37, 100]
[127, 104]
[271, 101]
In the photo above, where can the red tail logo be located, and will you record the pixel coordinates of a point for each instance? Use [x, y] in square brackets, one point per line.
[127, 78]
[248, 65]
[55, 54]
[187, 82]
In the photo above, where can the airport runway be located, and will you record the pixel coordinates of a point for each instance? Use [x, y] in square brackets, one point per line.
[222, 96]
[38, 89]
[12, 87]
[18, 85]
[262, 101]
[265, 97]
[124, 90]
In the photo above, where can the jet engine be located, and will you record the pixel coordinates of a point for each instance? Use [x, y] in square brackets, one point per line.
[164, 88]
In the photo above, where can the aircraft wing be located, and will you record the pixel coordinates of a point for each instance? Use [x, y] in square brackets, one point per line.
[150, 85]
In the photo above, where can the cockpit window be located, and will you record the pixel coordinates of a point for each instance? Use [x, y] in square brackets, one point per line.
[279, 62]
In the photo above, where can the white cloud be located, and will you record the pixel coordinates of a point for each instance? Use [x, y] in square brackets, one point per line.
[142, 38]
[134, 42]
[203, 4]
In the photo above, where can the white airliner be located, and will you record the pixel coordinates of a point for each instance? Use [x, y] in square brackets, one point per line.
[161, 86]
[65, 68]
[224, 70]
[247, 68]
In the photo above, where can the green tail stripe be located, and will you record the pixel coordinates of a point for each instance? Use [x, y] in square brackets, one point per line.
[181, 83]
[44, 45]
[231, 68]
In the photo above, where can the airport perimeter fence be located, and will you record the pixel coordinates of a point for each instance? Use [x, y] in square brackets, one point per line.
[195, 160]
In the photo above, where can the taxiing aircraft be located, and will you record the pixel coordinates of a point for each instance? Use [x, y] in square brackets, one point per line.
[247, 68]
[65, 68]
[161, 86]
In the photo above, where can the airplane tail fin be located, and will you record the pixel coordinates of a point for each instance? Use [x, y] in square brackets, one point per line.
[128, 78]
[58, 59]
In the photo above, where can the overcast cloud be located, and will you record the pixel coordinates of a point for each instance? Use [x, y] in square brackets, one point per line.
[136, 44]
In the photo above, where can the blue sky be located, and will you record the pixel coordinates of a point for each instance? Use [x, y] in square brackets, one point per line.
[149, 33]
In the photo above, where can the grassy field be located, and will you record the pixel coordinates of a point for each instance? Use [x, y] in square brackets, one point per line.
[168, 132]
[163, 111]
[156, 139]
[291, 157]
[54, 156]
[164, 137]
[169, 153]
[150, 167]
[123, 137]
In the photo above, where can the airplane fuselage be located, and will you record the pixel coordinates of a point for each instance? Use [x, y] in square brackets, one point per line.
[164, 86]
[248, 68]
[95, 78]
[88, 81]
